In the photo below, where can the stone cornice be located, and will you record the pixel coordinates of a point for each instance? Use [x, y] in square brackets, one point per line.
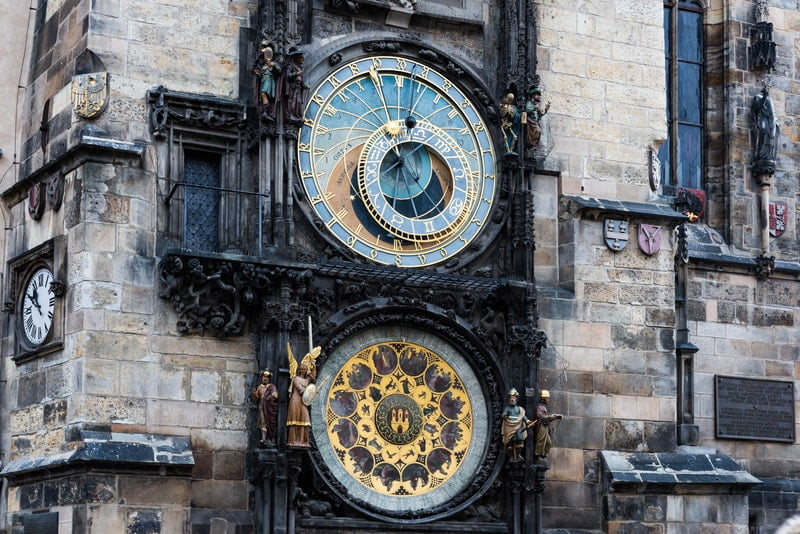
[92, 147]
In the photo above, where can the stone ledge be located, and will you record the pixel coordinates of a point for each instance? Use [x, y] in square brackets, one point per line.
[674, 473]
[102, 449]
[93, 146]
[603, 207]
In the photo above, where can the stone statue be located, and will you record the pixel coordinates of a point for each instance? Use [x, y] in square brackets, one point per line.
[295, 88]
[301, 393]
[509, 122]
[542, 428]
[532, 116]
[515, 426]
[765, 128]
[268, 70]
[266, 396]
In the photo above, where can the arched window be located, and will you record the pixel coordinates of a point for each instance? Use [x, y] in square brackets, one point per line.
[682, 154]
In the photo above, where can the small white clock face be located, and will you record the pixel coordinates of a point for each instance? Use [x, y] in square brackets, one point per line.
[38, 305]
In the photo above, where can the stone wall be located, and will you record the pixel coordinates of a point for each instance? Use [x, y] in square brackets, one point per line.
[774, 501]
[187, 45]
[123, 362]
[731, 83]
[602, 67]
[749, 328]
[610, 316]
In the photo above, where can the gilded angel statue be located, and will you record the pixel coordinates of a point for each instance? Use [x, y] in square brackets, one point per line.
[302, 391]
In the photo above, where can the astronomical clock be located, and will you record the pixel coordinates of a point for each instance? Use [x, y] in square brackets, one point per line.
[398, 171]
[395, 223]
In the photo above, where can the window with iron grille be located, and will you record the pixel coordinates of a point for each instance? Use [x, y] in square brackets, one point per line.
[210, 193]
[201, 202]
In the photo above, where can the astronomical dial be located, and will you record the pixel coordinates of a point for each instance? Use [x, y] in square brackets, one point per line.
[397, 162]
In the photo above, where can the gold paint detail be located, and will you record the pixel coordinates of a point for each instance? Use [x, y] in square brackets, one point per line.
[89, 94]
[399, 419]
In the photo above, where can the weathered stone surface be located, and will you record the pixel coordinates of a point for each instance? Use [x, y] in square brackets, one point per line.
[206, 386]
[659, 437]
[224, 494]
[32, 389]
[633, 338]
[228, 465]
[574, 432]
[624, 435]
[55, 413]
[231, 418]
[144, 521]
[566, 464]
[180, 414]
[109, 409]
[217, 440]
[155, 491]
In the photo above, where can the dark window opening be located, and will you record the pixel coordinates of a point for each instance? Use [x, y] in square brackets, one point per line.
[682, 154]
[202, 182]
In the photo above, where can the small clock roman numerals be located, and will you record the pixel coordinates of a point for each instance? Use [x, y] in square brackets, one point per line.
[38, 307]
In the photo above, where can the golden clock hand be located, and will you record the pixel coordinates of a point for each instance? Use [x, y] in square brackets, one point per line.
[373, 75]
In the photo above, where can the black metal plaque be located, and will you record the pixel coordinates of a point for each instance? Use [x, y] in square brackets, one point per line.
[750, 408]
[44, 523]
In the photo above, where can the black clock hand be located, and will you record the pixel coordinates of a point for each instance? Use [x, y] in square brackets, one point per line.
[35, 299]
[413, 203]
[397, 182]
[410, 120]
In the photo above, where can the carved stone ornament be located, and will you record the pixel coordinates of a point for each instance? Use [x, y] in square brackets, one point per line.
[532, 340]
[765, 266]
[183, 109]
[210, 295]
[55, 191]
[778, 218]
[36, 200]
[89, 94]
[615, 233]
[649, 238]
[762, 49]
[654, 171]
[347, 6]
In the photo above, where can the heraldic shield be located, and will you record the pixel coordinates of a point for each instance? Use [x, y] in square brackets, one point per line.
[778, 218]
[90, 94]
[649, 238]
[615, 233]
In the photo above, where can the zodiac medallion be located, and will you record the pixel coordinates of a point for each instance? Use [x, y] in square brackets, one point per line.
[399, 418]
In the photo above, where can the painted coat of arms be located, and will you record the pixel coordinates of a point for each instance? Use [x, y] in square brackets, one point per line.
[615, 233]
[90, 94]
[649, 238]
[778, 217]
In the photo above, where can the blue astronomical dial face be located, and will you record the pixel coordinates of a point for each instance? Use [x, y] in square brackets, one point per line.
[396, 161]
